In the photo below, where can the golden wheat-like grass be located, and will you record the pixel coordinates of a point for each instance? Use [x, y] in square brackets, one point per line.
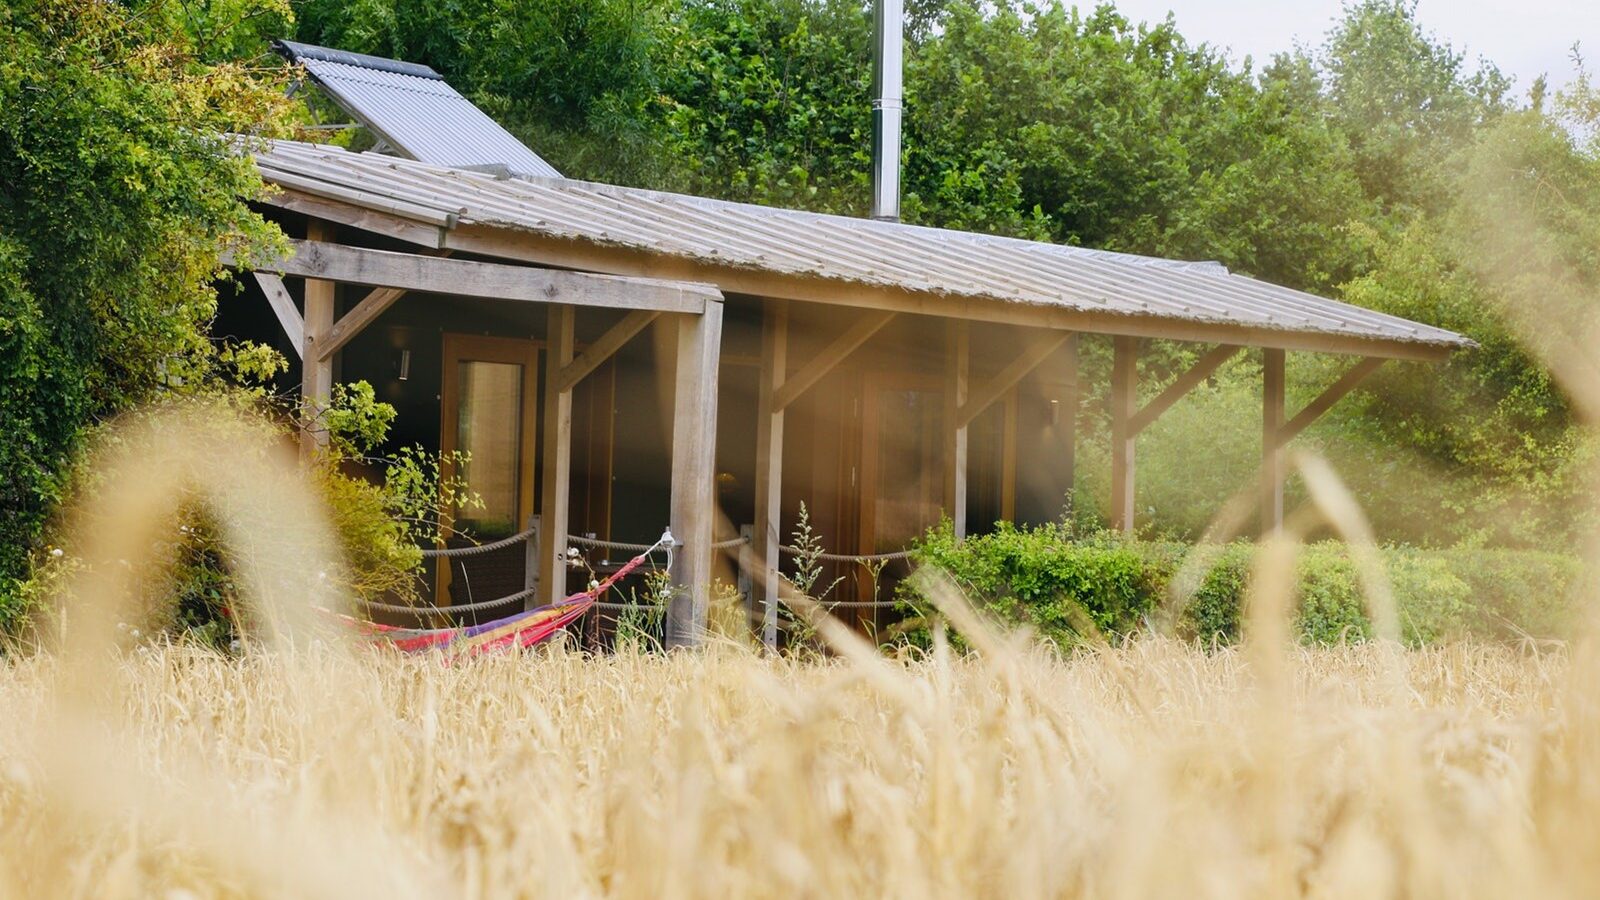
[1146, 771]
[308, 767]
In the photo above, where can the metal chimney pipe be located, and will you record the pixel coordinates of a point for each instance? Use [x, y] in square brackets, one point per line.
[888, 101]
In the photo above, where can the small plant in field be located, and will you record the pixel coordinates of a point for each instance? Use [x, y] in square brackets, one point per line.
[643, 617]
[808, 553]
[808, 558]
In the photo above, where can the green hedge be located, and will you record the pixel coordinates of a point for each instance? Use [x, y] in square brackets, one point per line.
[1064, 585]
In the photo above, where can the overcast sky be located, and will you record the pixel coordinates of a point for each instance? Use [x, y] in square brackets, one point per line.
[1524, 38]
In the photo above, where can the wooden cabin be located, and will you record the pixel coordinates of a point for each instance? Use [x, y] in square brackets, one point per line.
[617, 360]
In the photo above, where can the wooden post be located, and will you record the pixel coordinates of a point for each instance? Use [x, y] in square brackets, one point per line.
[316, 370]
[1124, 404]
[556, 466]
[530, 564]
[769, 467]
[1067, 426]
[694, 451]
[744, 582]
[1008, 459]
[1272, 416]
[955, 451]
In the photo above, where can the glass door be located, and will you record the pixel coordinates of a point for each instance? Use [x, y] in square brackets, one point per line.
[487, 403]
[902, 464]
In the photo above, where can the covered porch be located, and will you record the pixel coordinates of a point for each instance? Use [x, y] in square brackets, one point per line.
[708, 365]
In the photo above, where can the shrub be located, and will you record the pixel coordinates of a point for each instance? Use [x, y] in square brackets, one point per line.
[118, 193]
[1044, 578]
[381, 510]
[1068, 586]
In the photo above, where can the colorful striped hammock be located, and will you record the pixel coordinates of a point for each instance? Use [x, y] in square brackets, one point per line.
[519, 631]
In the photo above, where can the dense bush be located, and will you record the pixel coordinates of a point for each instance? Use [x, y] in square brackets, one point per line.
[119, 190]
[1068, 586]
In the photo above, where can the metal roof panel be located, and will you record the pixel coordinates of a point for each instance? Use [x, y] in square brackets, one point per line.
[843, 249]
[415, 111]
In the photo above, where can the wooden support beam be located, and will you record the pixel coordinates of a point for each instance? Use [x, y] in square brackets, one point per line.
[984, 396]
[316, 370]
[1124, 398]
[359, 317]
[1188, 381]
[1272, 392]
[283, 307]
[1066, 429]
[555, 471]
[769, 467]
[694, 454]
[606, 346]
[869, 324]
[1008, 460]
[1067, 426]
[394, 227]
[955, 450]
[1325, 400]
[493, 281]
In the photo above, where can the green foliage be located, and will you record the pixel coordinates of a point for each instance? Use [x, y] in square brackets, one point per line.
[118, 190]
[1380, 166]
[1069, 587]
[1042, 577]
[1405, 99]
[382, 522]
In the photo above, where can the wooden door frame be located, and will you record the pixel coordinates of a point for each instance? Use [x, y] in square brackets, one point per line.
[873, 383]
[458, 348]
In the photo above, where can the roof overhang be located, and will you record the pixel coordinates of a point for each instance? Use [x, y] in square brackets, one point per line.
[825, 259]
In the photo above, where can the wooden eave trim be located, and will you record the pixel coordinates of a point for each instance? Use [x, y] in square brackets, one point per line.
[490, 281]
[411, 231]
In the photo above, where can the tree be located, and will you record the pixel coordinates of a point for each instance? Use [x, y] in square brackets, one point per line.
[1405, 99]
[119, 188]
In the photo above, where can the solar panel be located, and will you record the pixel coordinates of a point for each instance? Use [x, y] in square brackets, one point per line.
[414, 111]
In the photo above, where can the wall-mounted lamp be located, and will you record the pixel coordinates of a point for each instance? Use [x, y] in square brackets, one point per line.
[1055, 413]
[402, 365]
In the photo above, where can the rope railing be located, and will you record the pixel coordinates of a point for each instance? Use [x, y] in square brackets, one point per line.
[584, 541]
[850, 557]
[595, 543]
[825, 604]
[453, 609]
[476, 549]
[598, 544]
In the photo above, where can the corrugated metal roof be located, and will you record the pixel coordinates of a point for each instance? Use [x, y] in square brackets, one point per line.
[415, 111]
[836, 248]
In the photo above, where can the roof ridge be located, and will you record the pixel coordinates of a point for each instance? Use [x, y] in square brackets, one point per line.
[294, 51]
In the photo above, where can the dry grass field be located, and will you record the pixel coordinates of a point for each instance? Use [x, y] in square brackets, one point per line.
[1153, 770]
[306, 767]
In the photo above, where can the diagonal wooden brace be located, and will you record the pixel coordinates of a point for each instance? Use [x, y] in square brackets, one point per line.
[820, 365]
[605, 347]
[1325, 400]
[992, 390]
[1183, 384]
